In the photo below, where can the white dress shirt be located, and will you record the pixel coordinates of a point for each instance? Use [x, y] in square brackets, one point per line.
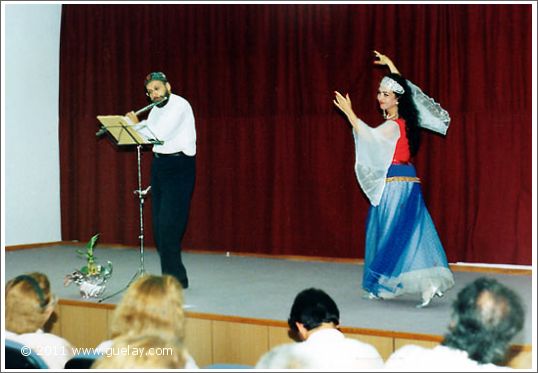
[325, 349]
[439, 358]
[173, 124]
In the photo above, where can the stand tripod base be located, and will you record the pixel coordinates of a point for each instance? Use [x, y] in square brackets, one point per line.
[137, 275]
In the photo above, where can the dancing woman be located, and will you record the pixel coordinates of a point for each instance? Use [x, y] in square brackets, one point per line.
[403, 251]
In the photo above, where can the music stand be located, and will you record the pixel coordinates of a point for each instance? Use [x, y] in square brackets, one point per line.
[124, 134]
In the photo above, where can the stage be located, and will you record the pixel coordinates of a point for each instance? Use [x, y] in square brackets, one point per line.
[238, 287]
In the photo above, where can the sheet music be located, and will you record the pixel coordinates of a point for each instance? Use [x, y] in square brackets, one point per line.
[122, 130]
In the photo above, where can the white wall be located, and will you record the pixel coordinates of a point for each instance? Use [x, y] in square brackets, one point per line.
[30, 120]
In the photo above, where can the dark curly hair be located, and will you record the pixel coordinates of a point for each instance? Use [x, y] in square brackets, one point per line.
[486, 316]
[408, 111]
[312, 307]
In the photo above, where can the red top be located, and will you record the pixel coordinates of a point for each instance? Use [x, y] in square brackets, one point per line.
[401, 153]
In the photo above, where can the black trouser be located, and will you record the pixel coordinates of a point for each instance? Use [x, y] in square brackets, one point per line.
[172, 183]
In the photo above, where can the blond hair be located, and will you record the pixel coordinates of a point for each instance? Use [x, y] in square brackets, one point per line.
[151, 304]
[28, 298]
[143, 351]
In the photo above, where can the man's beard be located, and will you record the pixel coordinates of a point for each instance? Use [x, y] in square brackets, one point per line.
[166, 98]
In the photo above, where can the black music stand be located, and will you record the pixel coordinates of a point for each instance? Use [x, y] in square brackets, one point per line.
[124, 134]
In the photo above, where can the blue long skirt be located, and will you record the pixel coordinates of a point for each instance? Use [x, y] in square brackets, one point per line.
[403, 251]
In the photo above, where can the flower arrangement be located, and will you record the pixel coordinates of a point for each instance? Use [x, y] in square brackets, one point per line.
[92, 277]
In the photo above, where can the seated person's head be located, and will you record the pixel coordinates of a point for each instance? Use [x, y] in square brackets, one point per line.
[311, 309]
[151, 303]
[29, 303]
[486, 316]
[146, 351]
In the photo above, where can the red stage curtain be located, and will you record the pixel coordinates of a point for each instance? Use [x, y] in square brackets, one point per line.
[275, 157]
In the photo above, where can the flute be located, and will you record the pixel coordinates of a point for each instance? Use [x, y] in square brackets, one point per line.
[146, 108]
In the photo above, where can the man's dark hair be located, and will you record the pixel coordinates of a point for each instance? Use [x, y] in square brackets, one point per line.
[156, 75]
[486, 316]
[312, 307]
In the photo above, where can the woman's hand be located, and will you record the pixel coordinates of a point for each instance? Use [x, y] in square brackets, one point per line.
[384, 60]
[344, 104]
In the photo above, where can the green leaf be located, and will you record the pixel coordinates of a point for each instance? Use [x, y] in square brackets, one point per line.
[91, 244]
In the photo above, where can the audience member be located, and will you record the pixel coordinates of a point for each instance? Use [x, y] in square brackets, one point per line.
[314, 320]
[151, 304]
[147, 351]
[29, 305]
[486, 316]
[287, 356]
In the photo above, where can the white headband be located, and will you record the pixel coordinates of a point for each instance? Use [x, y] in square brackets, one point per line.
[391, 85]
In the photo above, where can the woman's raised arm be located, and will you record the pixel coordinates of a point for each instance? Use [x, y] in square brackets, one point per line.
[344, 104]
[384, 60]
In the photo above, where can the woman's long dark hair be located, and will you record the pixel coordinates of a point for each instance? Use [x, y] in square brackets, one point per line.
[408, 111]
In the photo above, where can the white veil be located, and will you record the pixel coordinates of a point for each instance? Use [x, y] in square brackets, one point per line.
[431, 115]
